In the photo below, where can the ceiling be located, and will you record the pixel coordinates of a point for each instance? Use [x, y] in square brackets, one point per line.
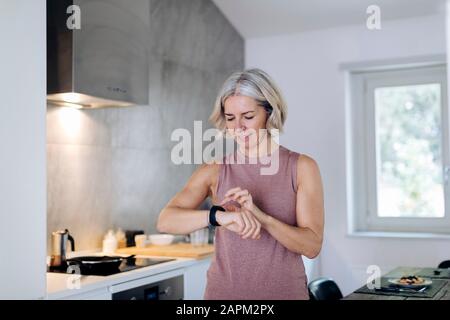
[259, 18]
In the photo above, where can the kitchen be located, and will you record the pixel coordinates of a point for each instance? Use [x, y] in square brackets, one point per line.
[108, 168]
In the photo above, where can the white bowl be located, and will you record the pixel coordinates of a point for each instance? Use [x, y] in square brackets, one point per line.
[161, 239]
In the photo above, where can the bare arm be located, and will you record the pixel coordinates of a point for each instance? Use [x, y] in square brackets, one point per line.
[306, 238]
[180, 216]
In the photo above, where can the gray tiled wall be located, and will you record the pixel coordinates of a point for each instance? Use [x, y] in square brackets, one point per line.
[110, 168]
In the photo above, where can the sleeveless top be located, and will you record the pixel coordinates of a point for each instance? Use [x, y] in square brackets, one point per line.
[263, 269]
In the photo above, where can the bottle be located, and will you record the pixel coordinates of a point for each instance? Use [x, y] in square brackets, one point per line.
[121, 239]
[109, 243]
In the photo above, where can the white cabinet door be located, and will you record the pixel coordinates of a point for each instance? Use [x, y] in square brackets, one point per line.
[23, 179]
[99, 294]
[195, 280]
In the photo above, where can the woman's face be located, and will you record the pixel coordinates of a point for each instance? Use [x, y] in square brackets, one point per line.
[243, 118]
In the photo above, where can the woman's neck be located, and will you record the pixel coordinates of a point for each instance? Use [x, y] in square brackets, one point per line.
[265, 147]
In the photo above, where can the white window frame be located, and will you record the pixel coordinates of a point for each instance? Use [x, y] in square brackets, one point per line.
[361, 145]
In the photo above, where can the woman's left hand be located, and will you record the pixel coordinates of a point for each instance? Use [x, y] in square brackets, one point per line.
[244, 198]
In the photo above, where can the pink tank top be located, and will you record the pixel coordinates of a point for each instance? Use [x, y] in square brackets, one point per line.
[262, 269]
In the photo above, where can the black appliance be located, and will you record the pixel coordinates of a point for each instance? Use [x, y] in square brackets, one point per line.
[168, 289]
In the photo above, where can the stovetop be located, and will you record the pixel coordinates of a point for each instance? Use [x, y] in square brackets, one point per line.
[126, 265]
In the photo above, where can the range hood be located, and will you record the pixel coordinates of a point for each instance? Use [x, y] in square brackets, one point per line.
[104, 63]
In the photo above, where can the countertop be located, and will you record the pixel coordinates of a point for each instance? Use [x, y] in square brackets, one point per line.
[442, 294]
[60, 285]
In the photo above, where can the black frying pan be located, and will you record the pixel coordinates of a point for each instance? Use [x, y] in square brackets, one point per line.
[98, 265]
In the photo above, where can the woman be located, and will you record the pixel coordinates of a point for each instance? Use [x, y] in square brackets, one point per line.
[270, 220]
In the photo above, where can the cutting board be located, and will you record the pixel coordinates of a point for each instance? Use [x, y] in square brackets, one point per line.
[183, 250]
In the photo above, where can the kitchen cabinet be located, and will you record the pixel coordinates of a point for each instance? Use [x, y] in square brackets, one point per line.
[99, 294]
[195, 280]
[141, 282]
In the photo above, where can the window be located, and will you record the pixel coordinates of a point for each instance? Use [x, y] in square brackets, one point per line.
[398, 150]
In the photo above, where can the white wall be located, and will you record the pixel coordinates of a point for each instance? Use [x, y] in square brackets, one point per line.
[306, 67]
[22, 149]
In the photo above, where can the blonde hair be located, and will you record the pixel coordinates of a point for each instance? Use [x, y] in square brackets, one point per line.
[256, 84]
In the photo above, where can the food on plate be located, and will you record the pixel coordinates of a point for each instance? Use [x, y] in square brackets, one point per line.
[411, 280]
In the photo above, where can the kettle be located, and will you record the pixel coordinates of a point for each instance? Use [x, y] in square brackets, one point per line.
[59, 248]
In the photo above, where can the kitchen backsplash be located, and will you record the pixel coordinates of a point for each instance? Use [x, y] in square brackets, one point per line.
[110, 168]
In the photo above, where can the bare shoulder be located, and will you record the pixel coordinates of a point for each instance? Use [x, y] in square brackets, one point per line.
[306, 162]
[307, 170]
[205, 174]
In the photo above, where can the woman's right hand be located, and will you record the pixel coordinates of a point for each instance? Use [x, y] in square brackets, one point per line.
[241, 222]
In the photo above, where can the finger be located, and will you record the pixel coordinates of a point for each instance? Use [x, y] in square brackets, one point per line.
[225, 200]
[243, 200]
[232, 190]
[256, 234]
[239, 221]
[247, 223]
[237, 194]
[257, 229]
[253, 225]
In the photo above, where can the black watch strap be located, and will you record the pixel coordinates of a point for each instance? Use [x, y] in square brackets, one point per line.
[212, 215]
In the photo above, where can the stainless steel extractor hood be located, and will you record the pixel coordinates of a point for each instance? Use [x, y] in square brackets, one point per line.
[105, 62]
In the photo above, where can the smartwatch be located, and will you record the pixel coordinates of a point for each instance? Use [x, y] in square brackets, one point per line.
[212, 215]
